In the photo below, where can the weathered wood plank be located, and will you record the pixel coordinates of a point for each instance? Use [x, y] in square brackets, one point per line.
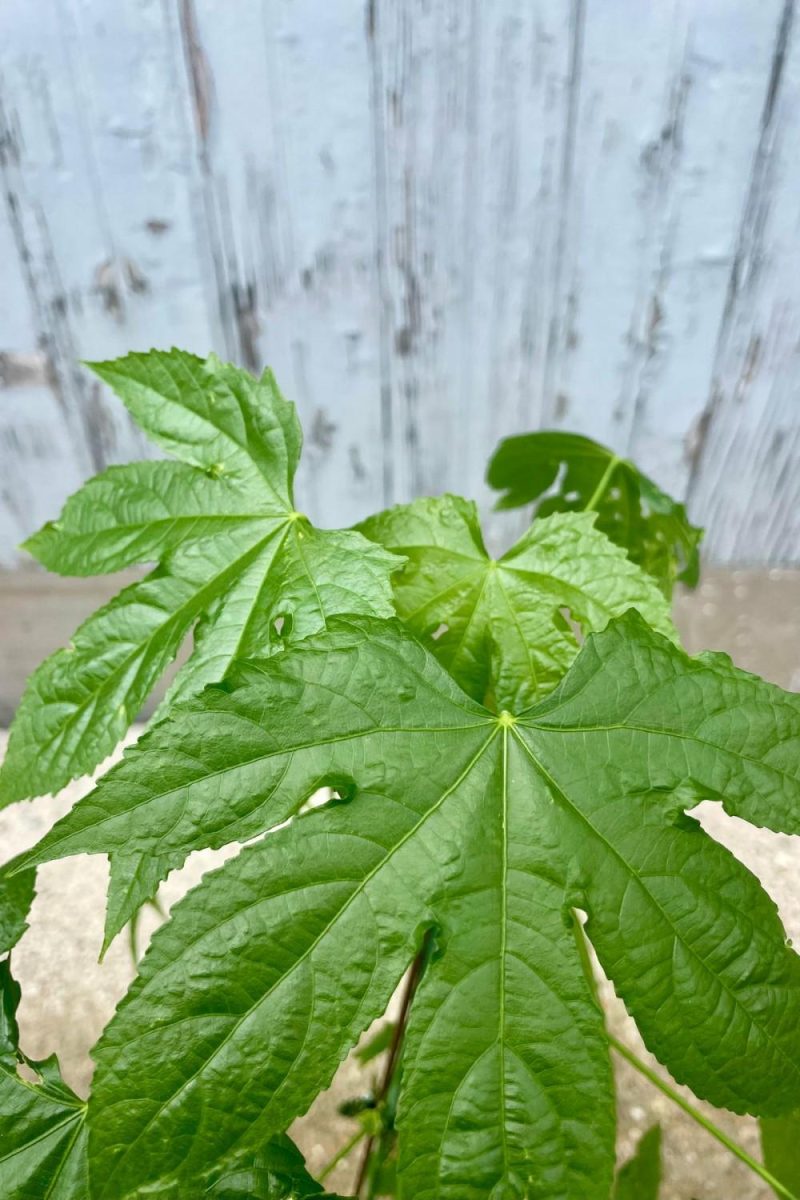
[439, 222]
[729, 56]
[39, 456]
[284, 142]
[746, 479]
[668, 124]
[475, 115]
[98, 219]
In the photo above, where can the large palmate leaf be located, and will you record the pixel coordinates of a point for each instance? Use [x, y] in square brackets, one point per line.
[490, 829]
[566, 472]
[236, 561]
[42, 1123]
[499, 626]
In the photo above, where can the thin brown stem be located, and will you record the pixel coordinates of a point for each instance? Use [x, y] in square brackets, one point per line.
[395, 1049]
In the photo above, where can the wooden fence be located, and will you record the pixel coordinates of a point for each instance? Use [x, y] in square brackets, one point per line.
[440, 221]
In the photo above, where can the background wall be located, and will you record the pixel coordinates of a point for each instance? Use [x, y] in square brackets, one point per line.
[441, 221]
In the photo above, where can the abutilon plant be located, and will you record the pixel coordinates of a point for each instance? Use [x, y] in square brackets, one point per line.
[512, 749]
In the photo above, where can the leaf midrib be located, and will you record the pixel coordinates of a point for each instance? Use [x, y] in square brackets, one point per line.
[198, 600]
[28, 860]
[667, 733]
[173, 519]
[247, 623]
[527, 645]
[565, 802]
[551, 586]
[357, 892]
[475, 577]
[70, 1146]
[77, 1116]
[501, 1034]
[241, 447]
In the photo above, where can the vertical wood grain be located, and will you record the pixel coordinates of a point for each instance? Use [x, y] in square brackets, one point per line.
[730, 63]
[746, 480]
[473, 117]
[281, 94]
[40, 454]
[440, 221]
[97, 205]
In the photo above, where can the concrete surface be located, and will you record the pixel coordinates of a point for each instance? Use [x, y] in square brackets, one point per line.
[39, 614]
[68, 996]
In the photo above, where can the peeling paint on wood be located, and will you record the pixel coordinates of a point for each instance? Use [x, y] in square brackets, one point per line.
[750, 427]
[439, 222]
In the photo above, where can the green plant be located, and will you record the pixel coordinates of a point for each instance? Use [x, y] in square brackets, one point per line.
[512, 750]
[640, 1177]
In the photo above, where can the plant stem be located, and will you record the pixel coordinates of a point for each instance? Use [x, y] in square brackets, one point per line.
[597, 494]
[133, 926]
[704, 1122]
[341, 1153]
[700, 1118]
[582, 943]
[395, 1049]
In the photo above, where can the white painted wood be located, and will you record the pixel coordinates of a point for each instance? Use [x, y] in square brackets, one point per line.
[440, 221]
[95, 136]
[728, 82]
[472, 118]
[281, 93]
[746, 478]
[38, 457]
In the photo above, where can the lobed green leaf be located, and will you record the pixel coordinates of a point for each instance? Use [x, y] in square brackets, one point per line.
[236, 562]
[43, 1146]
[491, 829]
[566, 472]
[501, 627]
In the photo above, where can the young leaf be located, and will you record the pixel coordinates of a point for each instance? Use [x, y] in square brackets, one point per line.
[16, 897]
[235, 560]
[498, 626]
[381, 1040]
[631, 510]
[780, 1146]
[490, 829]
[42, 1127]
[640, 1177]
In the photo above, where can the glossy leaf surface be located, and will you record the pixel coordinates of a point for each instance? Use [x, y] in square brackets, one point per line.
[564, 472]
[500, 626]
[490, 829]
[236, 562]
[42, 1127]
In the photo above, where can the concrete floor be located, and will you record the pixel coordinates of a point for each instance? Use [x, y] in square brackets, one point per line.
[68, 996]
